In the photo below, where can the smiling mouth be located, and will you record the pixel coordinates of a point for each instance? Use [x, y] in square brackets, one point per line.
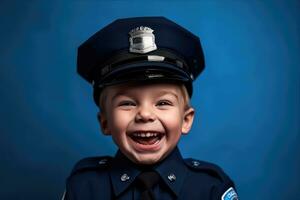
[146, 138]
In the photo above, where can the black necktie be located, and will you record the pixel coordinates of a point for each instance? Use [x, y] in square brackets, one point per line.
[146, 181]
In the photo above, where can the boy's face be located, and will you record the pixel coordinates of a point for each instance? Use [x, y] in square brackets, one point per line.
[145, 120]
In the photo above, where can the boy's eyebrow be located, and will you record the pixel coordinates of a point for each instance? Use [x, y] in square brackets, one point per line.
[168, 92]
[161, 93]
[117, 94]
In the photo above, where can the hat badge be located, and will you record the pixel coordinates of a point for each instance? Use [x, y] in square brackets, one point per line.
[142, 40]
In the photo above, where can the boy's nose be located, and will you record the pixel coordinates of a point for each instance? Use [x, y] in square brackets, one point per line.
[145, 114]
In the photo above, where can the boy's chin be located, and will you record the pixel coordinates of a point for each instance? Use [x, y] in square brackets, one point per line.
[148, 159]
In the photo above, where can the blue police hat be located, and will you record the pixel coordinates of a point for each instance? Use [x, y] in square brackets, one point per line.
[140, 49]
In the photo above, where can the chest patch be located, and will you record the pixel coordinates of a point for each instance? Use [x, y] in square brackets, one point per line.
[230, 194]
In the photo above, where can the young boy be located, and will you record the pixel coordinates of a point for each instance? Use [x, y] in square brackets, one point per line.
[142, 71]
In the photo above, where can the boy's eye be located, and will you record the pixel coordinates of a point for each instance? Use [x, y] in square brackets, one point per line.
[126, 103]
[164, 103]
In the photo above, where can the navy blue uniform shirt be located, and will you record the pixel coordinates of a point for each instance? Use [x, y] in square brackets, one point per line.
[106, 178]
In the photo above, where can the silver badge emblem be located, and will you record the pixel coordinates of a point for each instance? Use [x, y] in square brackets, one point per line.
[142, 40]
[125, 177]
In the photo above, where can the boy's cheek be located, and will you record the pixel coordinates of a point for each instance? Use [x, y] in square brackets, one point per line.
[119, 119]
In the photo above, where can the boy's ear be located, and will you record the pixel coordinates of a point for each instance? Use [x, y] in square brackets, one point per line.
[188, 120]
[102, 119]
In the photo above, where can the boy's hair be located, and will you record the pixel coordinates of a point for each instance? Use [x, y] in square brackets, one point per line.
[185, 95]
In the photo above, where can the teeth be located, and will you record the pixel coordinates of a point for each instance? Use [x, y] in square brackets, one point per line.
[145, 134]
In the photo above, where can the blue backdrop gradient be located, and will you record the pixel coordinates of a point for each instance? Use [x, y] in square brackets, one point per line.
[247, 100]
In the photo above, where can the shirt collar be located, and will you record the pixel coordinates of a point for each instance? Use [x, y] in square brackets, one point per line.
[172, 171]
[122, 173]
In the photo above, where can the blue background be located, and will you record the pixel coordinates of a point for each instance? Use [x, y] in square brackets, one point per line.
[247, 100]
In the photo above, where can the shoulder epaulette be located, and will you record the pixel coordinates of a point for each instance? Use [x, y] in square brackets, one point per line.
[209, 168]
[91, 163]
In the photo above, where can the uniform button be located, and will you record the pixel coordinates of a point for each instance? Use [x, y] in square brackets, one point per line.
[171, 177]
[192, 77]
[195, 163]
[102, 162]
[125, 177]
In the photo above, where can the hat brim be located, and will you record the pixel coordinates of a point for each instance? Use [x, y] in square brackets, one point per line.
[145, 71]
